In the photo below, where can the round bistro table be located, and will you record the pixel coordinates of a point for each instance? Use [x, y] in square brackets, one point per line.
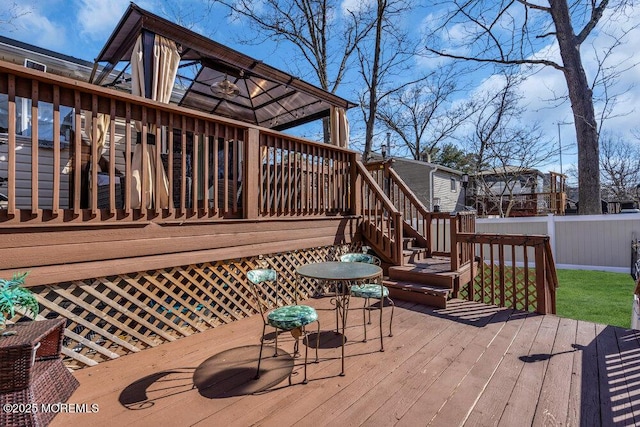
[342, 274]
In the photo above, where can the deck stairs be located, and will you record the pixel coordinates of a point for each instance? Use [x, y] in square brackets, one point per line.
[420, 279]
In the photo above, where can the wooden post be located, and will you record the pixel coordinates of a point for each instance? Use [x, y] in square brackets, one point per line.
[428, 219]
[541, 289]
[453, 231]
[251, 173]
[397, 219]
[355, 201]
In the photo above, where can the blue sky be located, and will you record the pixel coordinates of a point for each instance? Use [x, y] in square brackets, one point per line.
[80, 28]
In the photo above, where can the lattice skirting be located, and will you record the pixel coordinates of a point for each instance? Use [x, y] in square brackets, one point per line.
[108, 317]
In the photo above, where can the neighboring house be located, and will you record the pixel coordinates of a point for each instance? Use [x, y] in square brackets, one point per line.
[516, 191]
[438, 187]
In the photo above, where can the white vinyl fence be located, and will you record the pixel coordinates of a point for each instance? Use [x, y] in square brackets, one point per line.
[587, 242]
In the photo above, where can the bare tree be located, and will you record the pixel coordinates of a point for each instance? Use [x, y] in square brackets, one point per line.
[324, 36]
[620, 166]
[384, 59]
[508, 153]
[423, 113]
[10, 13]
[512, 33]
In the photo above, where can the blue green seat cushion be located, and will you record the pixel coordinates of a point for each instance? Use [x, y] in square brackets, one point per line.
[369, 290]
[357, 257]
[292, 316]
[260, 275]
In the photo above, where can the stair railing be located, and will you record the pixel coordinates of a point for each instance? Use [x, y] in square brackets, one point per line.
[417, 218]
[382, 222]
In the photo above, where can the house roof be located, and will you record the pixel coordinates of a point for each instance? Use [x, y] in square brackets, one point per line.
[17, 52]
[420, 163]
[268, 97]
[510, 170]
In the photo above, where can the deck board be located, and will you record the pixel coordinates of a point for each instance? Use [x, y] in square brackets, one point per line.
[469, 364]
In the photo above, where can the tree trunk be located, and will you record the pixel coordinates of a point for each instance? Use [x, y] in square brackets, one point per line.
[375, 71]
[584, 118]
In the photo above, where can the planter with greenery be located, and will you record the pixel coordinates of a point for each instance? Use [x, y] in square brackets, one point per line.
[13, 295]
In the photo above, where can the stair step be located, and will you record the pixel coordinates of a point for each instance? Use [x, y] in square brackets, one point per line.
[417, 287]
[418, 292]
[407, 242]
[425, 276]
[412, 255]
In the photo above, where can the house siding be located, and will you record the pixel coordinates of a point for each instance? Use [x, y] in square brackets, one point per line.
[417, 176]
[45, 174]
[449, 199]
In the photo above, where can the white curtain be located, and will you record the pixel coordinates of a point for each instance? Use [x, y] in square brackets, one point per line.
[102, 124]
[165, 66]
[339, 127]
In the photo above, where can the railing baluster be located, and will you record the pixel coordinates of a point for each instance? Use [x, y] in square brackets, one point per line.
[158, 188]
[55, 203]
[128, 151]
[11, 141]
[34, 147]
[112, 157]
[195, 167]
[170, 171]
[77, 154]
[183, 167]
[93, 189]
[205, 171]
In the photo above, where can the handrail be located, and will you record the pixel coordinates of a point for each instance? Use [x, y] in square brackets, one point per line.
[212, 163]
[417, 217]
[516, 271]
[381, 219]
[435, 231]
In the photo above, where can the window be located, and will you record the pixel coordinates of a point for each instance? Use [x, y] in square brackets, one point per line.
[45, 120]
[453, 184]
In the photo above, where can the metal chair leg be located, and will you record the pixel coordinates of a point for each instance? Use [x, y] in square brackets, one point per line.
[393, 306]
[306, 353]
[317, 342]
[257, 376]
[364, 319]
[381, 335]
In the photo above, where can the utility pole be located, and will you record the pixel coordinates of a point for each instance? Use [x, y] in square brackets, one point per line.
[560, 142]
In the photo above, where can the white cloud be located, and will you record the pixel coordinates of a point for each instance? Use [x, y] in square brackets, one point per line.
[97, 19]
[33, 27]
[356, 5]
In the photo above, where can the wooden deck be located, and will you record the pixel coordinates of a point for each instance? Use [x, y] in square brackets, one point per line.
[469, 364]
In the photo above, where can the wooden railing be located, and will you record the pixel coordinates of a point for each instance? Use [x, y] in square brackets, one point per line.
[522, 204]
[213, 167]
[382, 222]
[514, 271]
[302, 178]
[415, 215]
[435, 231]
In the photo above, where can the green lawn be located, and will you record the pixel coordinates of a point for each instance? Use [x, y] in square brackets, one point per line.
[596, 296]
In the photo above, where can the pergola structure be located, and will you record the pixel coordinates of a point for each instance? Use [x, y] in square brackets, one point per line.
[260, 94]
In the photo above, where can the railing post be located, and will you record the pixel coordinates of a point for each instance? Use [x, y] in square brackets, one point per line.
[251, 174]
[542, 296]
[427, 230]
[455, 250]
[397, 218]
[356, 186]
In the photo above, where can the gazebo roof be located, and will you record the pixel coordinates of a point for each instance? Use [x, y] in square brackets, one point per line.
[267, 96]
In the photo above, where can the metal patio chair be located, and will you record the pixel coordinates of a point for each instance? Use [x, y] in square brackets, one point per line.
[292, 318]
[370, 291]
